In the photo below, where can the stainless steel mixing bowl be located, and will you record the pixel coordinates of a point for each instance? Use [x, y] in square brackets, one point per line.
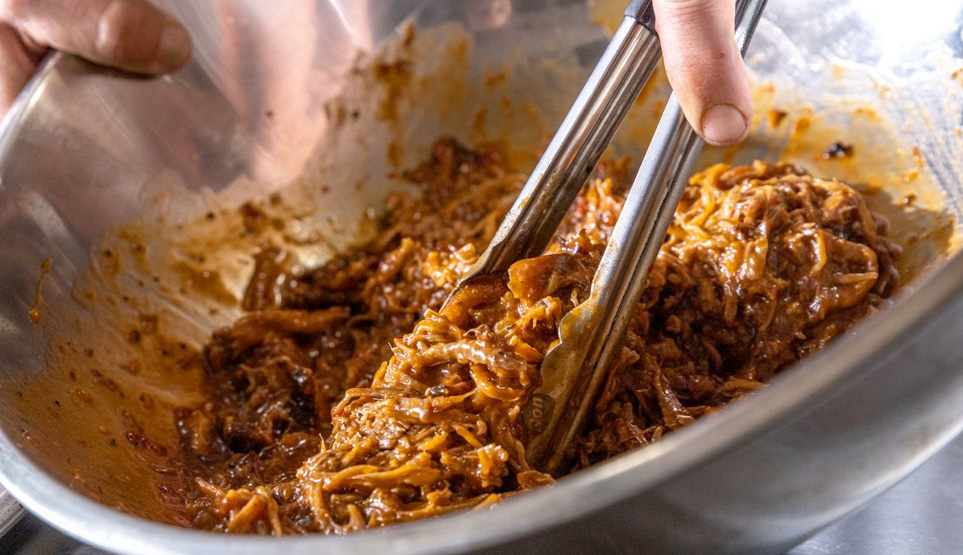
[85, 147]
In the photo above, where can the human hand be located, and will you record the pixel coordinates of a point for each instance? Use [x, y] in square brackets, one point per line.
[126, 34]
[705, 67]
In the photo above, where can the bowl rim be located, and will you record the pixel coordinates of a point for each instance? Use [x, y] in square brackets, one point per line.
[812, 383]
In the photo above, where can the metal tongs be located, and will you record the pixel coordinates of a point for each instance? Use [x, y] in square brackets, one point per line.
[590, 336]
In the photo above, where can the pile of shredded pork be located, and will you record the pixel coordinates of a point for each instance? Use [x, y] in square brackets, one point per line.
[348, 398]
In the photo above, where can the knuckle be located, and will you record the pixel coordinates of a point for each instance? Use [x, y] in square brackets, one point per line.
[698, 33]
[12, 10]
[120, 33]
[693, 8]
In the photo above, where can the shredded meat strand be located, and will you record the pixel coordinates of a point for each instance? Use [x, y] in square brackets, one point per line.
[349, 398]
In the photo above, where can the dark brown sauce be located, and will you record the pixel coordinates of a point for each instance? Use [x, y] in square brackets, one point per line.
[348, 398]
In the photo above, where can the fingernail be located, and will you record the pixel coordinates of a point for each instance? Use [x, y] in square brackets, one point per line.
[175, 47]
[723, 124]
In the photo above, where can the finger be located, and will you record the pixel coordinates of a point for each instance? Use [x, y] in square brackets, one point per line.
[127, 34]
[17, 64]
[705, 67]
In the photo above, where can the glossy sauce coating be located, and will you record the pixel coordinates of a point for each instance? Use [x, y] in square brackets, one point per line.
[347, 398]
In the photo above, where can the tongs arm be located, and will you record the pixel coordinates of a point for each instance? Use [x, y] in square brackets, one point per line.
[611, 89]
[592, 334]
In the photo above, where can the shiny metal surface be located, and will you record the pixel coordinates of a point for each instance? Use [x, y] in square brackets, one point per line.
[591, 334]
[611, 89]
[921, 514]
[10, 511]
[760, 476]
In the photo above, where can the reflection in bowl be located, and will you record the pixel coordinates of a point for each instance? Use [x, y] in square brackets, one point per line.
[257, 113]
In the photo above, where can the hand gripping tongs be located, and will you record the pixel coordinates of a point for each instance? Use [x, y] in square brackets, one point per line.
[590, 336]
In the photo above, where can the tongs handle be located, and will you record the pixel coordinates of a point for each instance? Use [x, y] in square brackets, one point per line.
[611, 89]
[641, 11]
[592, 334]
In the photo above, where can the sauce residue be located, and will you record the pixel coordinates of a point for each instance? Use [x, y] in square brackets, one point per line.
[38, 302]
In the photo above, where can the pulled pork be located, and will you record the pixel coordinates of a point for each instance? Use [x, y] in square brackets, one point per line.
[308, 429]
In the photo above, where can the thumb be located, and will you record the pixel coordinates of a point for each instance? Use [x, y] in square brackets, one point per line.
[705, 67]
